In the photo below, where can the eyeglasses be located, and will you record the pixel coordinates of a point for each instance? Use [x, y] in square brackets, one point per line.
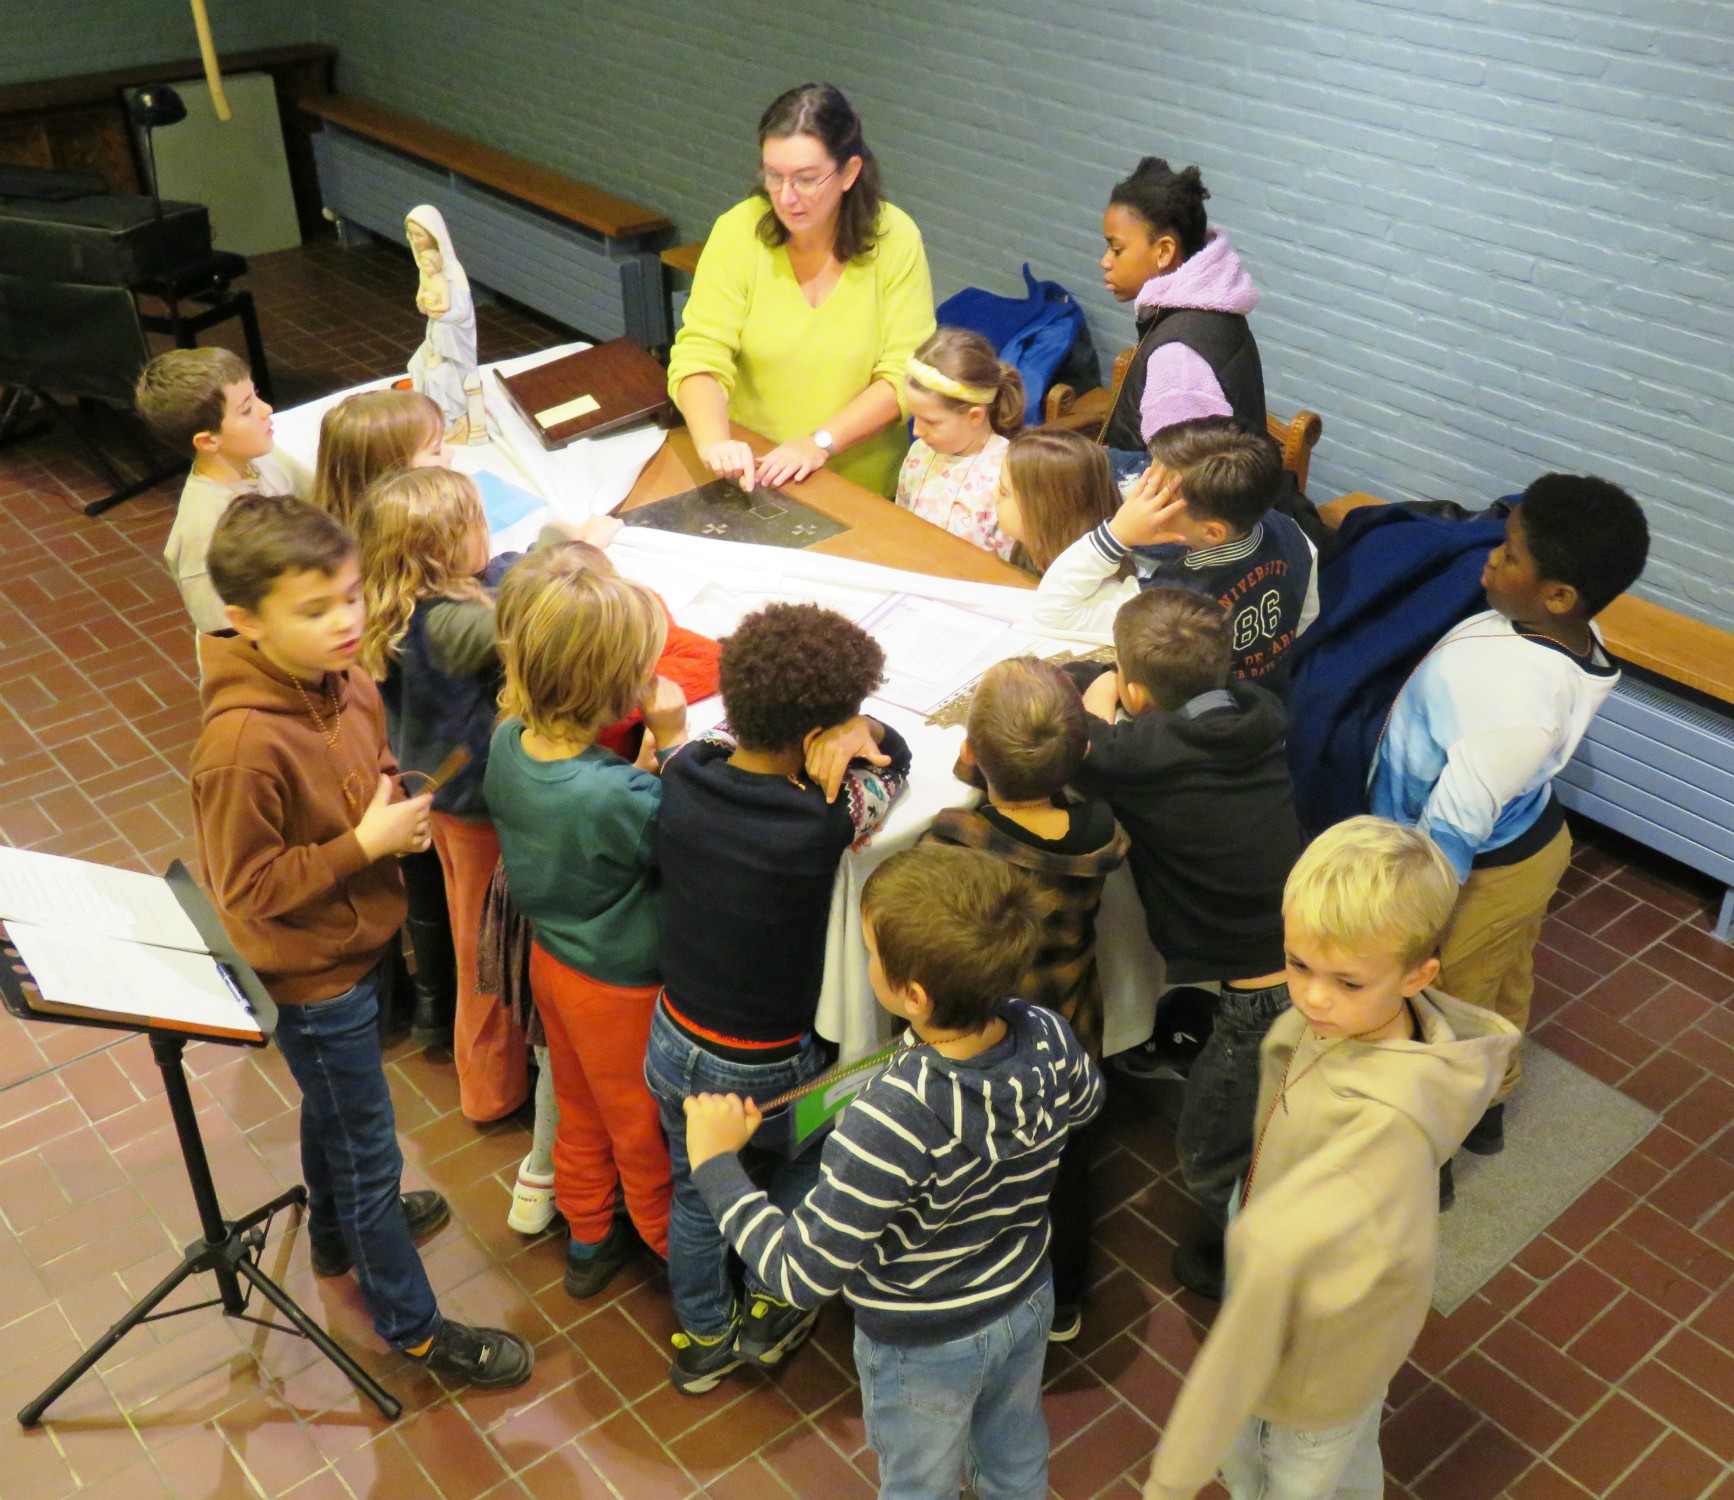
[805, 184]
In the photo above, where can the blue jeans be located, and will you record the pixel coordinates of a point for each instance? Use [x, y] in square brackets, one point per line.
[1213, 1137]
[971, 1407]
[675, 1068]
[1268, 1462]
[350, 1157]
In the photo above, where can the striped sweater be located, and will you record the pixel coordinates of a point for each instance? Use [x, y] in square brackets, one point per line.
[931, 1211]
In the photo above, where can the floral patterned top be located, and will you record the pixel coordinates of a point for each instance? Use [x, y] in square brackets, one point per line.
[957, 492]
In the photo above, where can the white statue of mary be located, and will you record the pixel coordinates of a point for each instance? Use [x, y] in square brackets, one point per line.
[444, 367]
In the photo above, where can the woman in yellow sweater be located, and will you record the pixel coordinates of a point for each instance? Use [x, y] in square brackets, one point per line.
[809, 298]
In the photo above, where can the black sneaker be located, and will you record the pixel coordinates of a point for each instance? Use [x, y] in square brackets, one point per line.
[772, 1329]
[1068, 1323]
[589, 1268]
[490, 1359]
[424, 1210]
[1488, 1136]
[1447, 1188]
[1199, 1266]
[700, 1363]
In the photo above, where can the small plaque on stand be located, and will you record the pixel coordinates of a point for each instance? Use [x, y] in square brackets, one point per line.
[591, 393]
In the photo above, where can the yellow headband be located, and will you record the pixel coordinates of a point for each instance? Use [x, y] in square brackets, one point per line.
[935, 380]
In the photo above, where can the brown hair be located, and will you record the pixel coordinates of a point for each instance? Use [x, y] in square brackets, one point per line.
[960, 923]
[259, 538]
[789, 669]
[1227, 474]
[183, 392]
[1064, 486]
[1026, 728]
[966, 356]
[368, 435]
[821, 111]
[579, 645]
[1174, 644]
[416, 528]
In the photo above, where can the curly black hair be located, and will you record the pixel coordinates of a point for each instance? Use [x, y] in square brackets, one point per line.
[789, 669]
[1586, 532]
[1169, 202]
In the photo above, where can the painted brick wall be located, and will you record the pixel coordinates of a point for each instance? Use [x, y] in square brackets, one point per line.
[1494, 236]
[62, 37]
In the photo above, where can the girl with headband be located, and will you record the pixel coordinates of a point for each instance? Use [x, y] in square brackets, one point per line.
[966, 407]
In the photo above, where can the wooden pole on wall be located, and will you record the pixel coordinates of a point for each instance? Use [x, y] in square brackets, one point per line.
[208, 52]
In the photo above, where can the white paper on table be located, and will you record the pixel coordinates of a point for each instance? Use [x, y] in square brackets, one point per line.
[934, 650]
[51, 890]
[130, 979]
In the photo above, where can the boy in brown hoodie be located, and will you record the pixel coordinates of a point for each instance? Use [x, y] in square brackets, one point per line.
[298, 821]
[1367, 1086]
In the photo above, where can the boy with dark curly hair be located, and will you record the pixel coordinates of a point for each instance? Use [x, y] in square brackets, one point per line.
[756, 817]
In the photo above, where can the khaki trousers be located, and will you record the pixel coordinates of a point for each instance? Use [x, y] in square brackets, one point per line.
[1488, 956]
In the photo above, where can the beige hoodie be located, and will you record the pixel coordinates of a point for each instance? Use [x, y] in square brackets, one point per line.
[1331, 1257]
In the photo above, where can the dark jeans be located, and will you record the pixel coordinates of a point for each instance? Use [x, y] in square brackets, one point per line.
[1213, 1138]
[675, 1068]
[350, 1157]
[1071, 1211]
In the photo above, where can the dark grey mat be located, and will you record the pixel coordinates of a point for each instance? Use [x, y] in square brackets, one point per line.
[723, 509]
[1563, 1131]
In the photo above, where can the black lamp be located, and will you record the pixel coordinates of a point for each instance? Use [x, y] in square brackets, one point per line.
[157, 104]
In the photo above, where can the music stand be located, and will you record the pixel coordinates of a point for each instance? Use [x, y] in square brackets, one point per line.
[229, 1249]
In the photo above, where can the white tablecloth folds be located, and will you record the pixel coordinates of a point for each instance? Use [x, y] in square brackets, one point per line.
[709, 584]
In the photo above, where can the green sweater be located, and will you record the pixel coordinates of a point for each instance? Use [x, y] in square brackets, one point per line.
[578, 838]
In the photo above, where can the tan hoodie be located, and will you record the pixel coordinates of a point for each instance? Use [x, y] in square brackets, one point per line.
[297, 894]
[1331, 1257]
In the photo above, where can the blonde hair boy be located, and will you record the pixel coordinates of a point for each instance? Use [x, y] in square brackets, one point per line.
[1366, 1089]
[202, 403]
[1371, 886]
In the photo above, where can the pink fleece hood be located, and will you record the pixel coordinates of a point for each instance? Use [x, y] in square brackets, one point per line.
[1213, 280]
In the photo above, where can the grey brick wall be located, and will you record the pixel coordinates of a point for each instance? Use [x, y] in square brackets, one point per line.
[1494, 236]
[62, 37]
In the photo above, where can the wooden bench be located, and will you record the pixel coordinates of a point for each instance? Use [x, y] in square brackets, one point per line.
[1657, 764]
[563, 247]
[1088, 411]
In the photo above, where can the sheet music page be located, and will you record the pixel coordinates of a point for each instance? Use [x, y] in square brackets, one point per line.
[934, 649]
[50, 890]
[109, 974]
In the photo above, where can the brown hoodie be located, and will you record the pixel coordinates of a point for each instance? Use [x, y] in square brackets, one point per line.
[299, 897]
[1331, 1257]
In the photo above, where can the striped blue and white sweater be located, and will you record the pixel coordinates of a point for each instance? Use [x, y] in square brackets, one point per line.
[931, 1211]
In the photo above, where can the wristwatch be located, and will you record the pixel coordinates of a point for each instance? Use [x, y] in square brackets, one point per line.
[825, 441]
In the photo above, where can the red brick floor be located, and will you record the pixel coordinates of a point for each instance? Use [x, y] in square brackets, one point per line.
[1601, 1362]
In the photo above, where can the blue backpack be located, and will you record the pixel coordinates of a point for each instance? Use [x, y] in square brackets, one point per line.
[1044, 335]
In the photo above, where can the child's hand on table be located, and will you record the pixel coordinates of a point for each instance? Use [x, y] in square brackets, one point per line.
[831, 751]
[718, 1125]
[1102, 697]
[599, 531]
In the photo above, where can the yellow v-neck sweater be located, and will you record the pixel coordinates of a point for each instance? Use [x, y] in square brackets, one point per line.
[789, 367]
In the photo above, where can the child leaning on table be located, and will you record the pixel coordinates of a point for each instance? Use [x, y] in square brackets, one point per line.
[1203, 511]
[1490, 717]
[202, 402]
[578, 830]
[756, 817]
[1197, 777]
[1366, 1088]
[1026, 740]
[297, 821]
[689, 661]
[930, 1215]
[965, 404]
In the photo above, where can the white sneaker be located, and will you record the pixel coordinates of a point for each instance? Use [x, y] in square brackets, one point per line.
[532, 1201]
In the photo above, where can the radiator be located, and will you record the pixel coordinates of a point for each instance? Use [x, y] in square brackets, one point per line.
[1660, 770]
[601, 287]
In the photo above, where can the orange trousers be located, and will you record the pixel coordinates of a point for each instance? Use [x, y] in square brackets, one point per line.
[610, 1133]
[487, 1042]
